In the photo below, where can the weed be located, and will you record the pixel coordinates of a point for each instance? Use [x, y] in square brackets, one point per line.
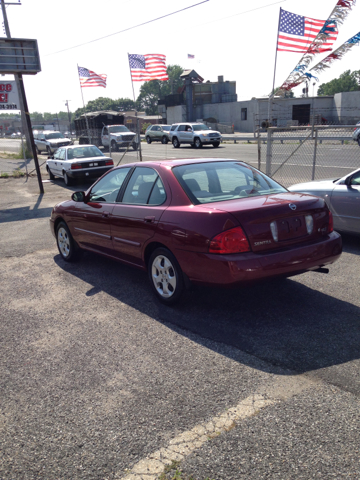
[4, 175]
[18, 173]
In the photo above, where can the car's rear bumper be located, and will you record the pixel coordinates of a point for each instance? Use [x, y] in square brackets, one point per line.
[227, 270]
[88, 172]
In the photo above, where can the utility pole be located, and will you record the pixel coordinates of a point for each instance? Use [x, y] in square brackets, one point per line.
[69, 116]
[25, 115]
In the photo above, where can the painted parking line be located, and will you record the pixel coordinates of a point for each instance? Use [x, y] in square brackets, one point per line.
[184, 444]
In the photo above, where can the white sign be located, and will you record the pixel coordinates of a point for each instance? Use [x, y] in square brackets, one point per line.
[9, 97]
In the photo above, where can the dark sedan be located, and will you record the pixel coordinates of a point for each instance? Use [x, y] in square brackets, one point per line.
[209, 221]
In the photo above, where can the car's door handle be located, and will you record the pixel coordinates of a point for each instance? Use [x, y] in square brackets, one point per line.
[149, 219]
[105, 215]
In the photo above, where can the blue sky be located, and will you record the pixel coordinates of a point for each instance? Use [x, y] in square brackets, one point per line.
[233, 38]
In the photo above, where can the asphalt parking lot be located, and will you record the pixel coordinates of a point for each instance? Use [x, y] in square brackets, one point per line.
[99, 381]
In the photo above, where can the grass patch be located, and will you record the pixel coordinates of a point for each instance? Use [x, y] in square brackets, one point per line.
[17, 173]
[4, 175]
[173, 472]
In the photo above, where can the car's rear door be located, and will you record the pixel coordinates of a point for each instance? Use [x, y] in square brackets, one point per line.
[345, 205]
[92, 223]
[135, 218]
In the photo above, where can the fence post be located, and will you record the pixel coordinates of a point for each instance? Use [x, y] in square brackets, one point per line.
[259, 148]
[314, 159]
[269, 152]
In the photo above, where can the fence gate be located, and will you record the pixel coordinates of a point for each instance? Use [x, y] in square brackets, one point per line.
[301, 154]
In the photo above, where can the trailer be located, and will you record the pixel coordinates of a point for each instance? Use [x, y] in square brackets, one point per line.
[105, 128]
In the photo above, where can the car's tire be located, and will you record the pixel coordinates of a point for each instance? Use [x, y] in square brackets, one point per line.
[148, 139]
[68, 181]
[165, 276]
[135, 146]
[164, 140]
[68, 248]
[51, 175]
[48, 149]
[175, 142]
[114, 147]
[358, 140]
[216, 144]
[197, 142]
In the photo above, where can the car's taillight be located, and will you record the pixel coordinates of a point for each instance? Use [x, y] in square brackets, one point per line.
[75, 166]
[230, 241]
[331, 223]
[109, 162]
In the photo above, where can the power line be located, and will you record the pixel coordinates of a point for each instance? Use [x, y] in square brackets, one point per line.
[127, 29]
[241, 13]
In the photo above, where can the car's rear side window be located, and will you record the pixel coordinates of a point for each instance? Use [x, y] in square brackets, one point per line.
[144, 187]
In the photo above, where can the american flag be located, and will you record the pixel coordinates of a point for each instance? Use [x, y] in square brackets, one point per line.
[91, 79]
[296, 33]
[147, 67]
[191, 56]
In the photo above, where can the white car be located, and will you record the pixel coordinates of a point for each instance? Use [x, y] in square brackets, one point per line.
[49, 141]
[196, 134]
[78, 162]
[342, 196]
[356, 133]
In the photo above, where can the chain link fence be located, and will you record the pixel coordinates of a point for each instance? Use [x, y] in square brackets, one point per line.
[301, 154]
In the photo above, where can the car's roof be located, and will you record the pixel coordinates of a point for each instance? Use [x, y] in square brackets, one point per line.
[181, 161]
[79, 146]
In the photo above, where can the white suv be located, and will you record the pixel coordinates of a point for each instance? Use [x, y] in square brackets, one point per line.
[196, 134]
[356, 133]
[49, 141]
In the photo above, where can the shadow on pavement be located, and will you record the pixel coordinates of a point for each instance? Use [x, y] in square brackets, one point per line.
[285, 323]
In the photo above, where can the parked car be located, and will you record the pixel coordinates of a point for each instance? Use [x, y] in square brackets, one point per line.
[49, 141]
[78, 162]
[356, 133]
[342, 196]
[206, 221]
[157, 133]
[196, 134]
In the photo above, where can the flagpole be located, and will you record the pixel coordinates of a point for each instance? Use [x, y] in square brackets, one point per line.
[137, 123]
[86, 119]
[273, 87]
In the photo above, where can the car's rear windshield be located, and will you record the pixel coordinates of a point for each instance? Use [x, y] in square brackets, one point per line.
[219, 181]
[50, 136]
[118, 129]
[197, 128]
[84, 152]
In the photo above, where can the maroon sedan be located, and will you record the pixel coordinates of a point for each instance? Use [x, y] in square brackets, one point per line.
[206, 221]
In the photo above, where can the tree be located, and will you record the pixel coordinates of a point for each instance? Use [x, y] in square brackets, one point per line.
[105, 103]
[287, 94]
[347, 82]
[151, 91]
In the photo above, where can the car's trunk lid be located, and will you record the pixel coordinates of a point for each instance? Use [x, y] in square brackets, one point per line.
[285, 213]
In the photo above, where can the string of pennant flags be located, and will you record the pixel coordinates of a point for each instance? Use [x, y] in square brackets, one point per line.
[321, 42]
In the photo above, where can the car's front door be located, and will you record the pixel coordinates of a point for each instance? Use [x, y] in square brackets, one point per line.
[345, 205]
[92, 224]
[105, 137]
[135, 217]
[54, 163]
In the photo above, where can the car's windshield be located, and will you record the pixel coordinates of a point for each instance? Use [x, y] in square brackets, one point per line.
[118, 129]
[166, 127]
[84, 152]
[200, 127]
[51, 136]
[219, 181]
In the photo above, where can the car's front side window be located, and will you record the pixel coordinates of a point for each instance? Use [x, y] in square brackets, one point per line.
[355, 179]
[107, 189]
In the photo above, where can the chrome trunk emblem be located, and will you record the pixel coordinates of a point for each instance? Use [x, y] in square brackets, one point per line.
[292, 206]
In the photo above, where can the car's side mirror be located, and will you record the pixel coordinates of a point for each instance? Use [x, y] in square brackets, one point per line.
[78, 196]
